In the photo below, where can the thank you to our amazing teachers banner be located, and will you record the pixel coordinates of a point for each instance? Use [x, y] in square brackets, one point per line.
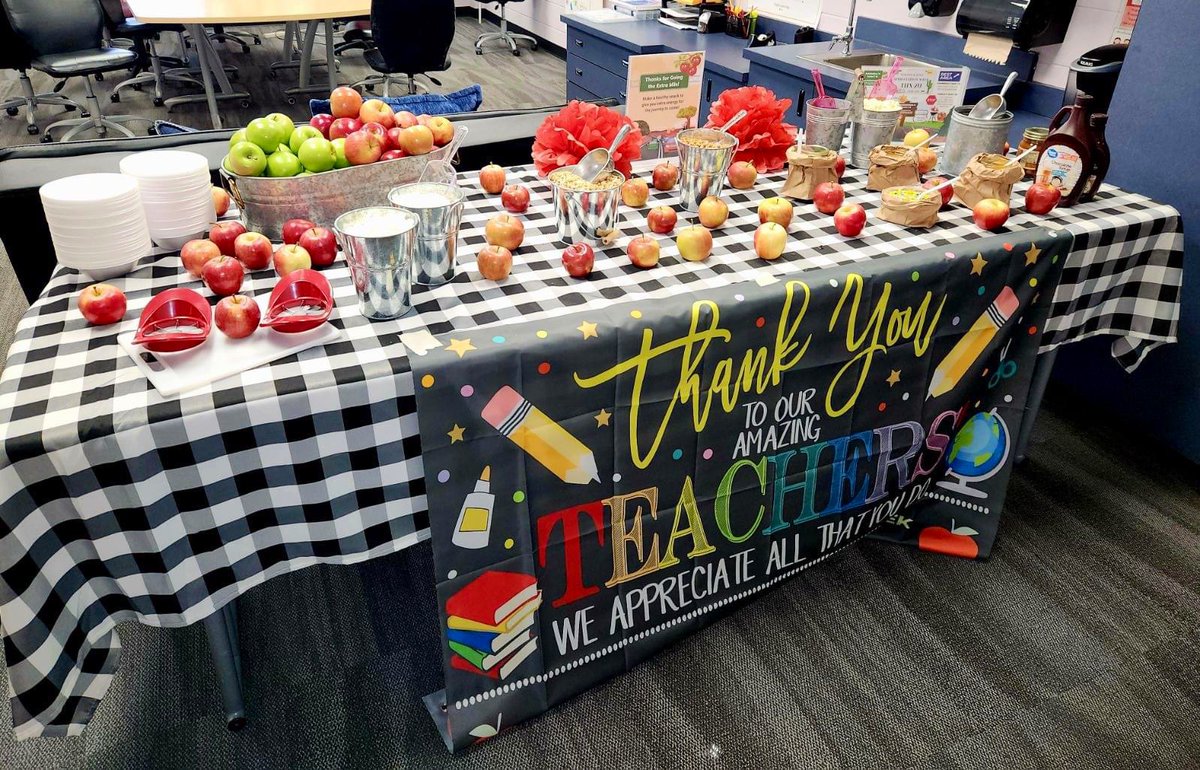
[603, 483]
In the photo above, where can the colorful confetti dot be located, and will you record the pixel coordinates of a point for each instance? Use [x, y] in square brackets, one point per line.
[518, 496]
[452, 574]
[739, 297]
[1008, 399]
[1054, 260]
[616, 477]
[443, 475]
[544, 367]
[981, 290]
[904, 397]
[509, 543]
[498, 339]
[1032, 330]
[542, 334]
[916, 276]
[949, 255]
[466, 391]
[760, 322]
[955, 321]
[677, 454]
[1033, 282]
[427, 381]
[708, 453]
[985, 373]
[833, 282]
[635, 313]
[882, 406]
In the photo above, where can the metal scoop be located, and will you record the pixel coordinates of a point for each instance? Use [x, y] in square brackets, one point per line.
[593, 165]
[993, 104]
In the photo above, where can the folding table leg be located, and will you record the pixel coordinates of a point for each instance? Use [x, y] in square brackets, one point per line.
[1033, 404]
[221, 628]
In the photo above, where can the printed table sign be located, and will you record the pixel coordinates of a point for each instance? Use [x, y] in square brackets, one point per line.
[663, 91]
[926, 94]
[602, 484]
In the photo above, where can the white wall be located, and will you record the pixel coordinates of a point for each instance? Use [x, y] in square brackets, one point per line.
[1091, 25]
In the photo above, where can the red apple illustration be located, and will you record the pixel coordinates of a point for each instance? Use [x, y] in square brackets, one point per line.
[956, 541]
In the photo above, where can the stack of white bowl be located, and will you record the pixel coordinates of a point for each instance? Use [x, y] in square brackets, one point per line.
[176, 194]
[97, 223]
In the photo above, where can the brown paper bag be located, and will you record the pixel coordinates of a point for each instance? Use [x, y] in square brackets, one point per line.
[987, 176]
[892, 166]
[910, 206]
[809, 166]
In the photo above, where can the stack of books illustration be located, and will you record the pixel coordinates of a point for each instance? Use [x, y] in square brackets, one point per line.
[490, 623]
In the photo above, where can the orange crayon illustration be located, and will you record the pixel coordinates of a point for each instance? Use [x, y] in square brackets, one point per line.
[973, 343]
[545, 440]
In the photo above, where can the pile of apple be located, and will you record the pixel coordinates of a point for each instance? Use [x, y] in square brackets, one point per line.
[355, 133]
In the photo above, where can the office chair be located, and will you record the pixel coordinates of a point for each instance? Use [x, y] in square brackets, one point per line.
[143, 38]
[65, 39]
[14, 55]
[409, 38]
[356, 36]
[241, 37]
[510, 38]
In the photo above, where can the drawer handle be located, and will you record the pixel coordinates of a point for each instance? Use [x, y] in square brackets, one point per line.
[579, 72]
[579, 42]
[622, 94]
[624, 62]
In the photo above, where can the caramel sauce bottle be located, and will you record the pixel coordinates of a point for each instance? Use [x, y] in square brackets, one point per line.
[1100, 157]
[1066, 158]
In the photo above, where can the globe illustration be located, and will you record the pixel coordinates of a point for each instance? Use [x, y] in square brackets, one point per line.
[980, 447]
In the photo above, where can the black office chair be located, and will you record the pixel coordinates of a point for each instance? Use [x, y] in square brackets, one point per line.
[354, 37]
[410, 38]
[510, 38]
[14, 55]
[143, 38]
[66, 39]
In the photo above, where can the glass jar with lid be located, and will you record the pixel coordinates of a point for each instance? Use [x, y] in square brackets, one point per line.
[1033, 137]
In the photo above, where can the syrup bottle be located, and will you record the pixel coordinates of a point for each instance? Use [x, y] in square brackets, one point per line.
[1100, 157]
[1066, 158]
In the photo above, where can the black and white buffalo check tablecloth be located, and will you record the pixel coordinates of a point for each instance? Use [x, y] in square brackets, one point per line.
[118, 504]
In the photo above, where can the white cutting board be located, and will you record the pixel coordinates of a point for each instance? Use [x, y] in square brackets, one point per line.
[219, 356]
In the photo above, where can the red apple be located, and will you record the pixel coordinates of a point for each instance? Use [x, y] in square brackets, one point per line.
[947, 192]
[770, 239]
[695, 243]
[635, 192]
[253, 250]
[223, 275]
[504, 230]
[404, 119]
[377, 111]
[393, 136]
[990, 214]
[1041, 198]
[578, 259]
[220, 200]
[661, 219]
[712, 212]
[237, 316]
[665, 176]
[742, 175]
[839, 166]
[775, 210]
[343, 127]
[294, 228]
[380, 132]
[828, 197]
[345, 102]
[363, 148]
[643, 251]
[102, 304]
[491, 178]
[393, 155]
[495, 262]
[195, 253]
[926, 160]
[291, 257]
[320, 244]
[417, 140]
[322, 121]
[423, 119]
[443, 130]
[224, 234]
[850, 219]
[515, 198]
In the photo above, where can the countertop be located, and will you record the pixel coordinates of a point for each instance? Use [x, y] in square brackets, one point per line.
[722, 53]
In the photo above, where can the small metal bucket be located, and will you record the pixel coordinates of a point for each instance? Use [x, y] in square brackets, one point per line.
[378, 243]
[876, 127]
[438, 208]
[826, 126]
[586, 215]
[966, 137]
[702, 170]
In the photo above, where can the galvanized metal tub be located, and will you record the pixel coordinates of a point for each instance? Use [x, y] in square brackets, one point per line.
[966, 137]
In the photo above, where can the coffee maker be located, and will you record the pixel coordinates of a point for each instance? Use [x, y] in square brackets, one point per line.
[1095, 73]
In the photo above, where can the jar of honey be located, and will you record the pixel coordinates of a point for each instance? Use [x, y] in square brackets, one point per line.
[1033, 137]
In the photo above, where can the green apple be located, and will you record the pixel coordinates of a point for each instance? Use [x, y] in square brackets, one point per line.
[283, 163]
[306, 172]
[283, 123]
[339, 148]
[238, 136]
[300, 135]
[265, 134]
[246, 159]
[317, 153]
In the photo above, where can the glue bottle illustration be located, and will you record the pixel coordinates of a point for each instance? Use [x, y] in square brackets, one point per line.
[474, 525]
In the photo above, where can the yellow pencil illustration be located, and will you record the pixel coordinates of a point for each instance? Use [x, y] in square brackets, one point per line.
[545, 440]
[973, 343]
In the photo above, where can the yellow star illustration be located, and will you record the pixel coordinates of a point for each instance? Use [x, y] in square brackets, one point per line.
[977, 264]
[602, 418]
[588, 328]
[1032, 255]
[894, 377]
[460, 346]
[456, 433]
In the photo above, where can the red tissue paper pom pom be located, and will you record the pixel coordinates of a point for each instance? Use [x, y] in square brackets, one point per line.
[763, 136]
[568, 135]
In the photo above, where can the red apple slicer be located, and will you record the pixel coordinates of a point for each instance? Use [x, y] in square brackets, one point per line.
[302, 300]
[174, 320]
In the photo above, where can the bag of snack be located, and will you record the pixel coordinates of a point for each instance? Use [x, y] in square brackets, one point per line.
[808, 166]
[987, 175]
[892, 166]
